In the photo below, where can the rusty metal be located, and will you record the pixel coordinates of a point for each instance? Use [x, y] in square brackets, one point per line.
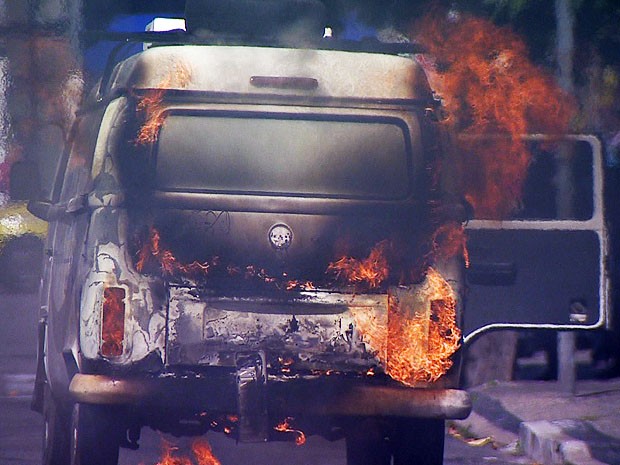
[100, 389]
[252, 398]
[383, 401]
[323, 397]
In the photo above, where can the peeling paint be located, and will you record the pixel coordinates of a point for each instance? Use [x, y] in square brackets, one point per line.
[145, 317]
[317, 329]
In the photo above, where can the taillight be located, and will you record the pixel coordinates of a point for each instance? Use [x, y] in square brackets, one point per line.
[113, 321]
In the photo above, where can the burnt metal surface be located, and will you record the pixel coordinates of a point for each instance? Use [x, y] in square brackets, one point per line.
[315, 329]
[252, 397]
[230, 68]
[145, 313]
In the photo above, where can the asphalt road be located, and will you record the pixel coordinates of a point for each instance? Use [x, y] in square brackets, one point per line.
[21, 429]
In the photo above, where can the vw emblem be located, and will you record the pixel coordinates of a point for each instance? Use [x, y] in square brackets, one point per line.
[280, 236]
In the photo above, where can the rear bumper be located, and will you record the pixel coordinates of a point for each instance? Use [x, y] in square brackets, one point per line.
[321, 397]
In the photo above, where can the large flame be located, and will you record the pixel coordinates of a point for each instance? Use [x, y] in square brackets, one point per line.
[489, 86]
[150, 104]
[420, 335]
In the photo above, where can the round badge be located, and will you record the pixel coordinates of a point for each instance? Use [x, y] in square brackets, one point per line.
[280, 236]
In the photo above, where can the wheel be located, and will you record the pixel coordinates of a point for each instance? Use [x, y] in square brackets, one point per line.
[372, 441]
[95, 435]
[56, 427]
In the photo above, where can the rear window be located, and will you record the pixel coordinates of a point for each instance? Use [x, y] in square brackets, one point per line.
[302, 155]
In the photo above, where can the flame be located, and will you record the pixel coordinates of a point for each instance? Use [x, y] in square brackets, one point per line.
[294, 284]
[285, 427]
[418, 337]
[450, 240]
[165, 259]
[152, 253]
[415, 345]
[226, 424]
[204, 454]
[179, 75]
[483, 75]
[371, 271]
[201, 450]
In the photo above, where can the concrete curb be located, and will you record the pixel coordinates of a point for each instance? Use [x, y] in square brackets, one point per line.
[546, 442]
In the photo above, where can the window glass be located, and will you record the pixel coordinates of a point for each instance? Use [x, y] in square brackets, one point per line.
[267, 154]
[559, 184]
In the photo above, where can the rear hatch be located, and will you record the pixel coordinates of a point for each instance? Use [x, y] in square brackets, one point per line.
[277, 160]
[282, 196]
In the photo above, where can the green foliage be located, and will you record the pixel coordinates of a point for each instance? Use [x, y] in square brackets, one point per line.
[512, 7]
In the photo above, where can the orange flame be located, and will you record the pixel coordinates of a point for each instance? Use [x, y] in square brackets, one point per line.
[204, 454]
[415, 344]
[200, 448]
[151, 103]
[489, 86]
[450, 240]
[166, 260]
[371, 271]
[151, 252]
[285, 427]
[420, 334]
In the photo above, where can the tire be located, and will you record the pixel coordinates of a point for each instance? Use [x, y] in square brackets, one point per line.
[56, 427]
[372, 441]
[95, 435]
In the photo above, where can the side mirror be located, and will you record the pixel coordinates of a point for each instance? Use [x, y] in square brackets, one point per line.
[40, 209]
[51, 211]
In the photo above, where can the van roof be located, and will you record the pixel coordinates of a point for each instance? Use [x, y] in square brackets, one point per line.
[230, 69]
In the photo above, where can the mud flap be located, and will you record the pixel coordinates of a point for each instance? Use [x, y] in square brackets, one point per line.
[252, 397]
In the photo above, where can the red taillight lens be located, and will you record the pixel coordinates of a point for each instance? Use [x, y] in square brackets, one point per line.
[113, 325]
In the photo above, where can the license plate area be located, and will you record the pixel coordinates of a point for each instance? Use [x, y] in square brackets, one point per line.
[313, 330]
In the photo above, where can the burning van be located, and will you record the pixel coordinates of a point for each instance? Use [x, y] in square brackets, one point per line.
[257, 235]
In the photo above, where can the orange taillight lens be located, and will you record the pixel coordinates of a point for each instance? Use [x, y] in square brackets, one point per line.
[113, 321]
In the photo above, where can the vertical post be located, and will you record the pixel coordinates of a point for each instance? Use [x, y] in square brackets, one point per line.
[566, 361]
[564, 203]
[565, 21]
